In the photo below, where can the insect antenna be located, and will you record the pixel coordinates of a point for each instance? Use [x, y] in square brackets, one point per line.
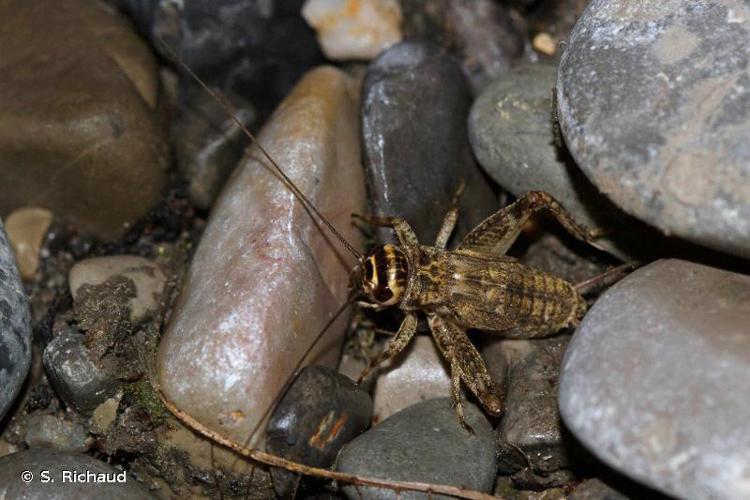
[287, 181]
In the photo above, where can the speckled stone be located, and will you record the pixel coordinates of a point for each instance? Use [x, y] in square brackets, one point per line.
[654, 104]
[415, 102]
[56, 463]
[15, 327]
[50, 431]
[425, 443]
[264, 279]
[653, 380]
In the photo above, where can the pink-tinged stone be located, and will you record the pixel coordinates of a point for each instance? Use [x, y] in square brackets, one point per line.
[264, 279]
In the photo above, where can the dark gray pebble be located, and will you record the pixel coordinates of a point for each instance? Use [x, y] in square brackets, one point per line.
[322, 411]
[415, 102]
[530, 436]
[423, 442]
[15, 328]
[73, 374]
[58, 469]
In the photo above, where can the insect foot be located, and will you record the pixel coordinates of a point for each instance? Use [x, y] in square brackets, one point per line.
[264, 279]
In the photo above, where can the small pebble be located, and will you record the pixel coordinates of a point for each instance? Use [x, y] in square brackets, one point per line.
[416, 160]
[15, 327]
[654, 103]
[417, 374]
[78, 381]
[148, 278]
[106, 482]
[652, 382]
[50, 431]
[26, 228]
[104, 415]
[321, 412]
[423, 442]
[544, 44]
[354, 29]
[530, 435]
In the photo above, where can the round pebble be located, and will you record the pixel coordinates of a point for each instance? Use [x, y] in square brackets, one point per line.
[654, 380]
[654, 104]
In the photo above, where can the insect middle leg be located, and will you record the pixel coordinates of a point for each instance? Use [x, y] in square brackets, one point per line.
[396, 344]
[499, 231]
[466, 365]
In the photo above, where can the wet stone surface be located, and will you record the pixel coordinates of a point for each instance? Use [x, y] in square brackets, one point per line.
[58, 462]
[73, 373]
[654, 104]
[529, 437]
[415, 102]
[322, 411]
[264, 279]
[426, 443]
[649, 382]
[15, 327]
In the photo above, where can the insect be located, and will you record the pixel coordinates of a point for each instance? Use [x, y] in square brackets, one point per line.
[474, 286]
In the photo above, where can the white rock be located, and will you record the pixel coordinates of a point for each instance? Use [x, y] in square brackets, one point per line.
[354, 29]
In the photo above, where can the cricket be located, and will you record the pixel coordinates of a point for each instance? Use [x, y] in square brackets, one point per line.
[474, 286]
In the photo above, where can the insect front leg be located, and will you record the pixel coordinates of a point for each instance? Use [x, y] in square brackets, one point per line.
[466, 365]
[499, 231]
[449, 220]
[396, 344]
[403, 230]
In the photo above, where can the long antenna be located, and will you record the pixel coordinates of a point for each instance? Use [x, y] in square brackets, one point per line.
[230, 110]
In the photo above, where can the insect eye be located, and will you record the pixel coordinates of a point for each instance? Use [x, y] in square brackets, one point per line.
[369, 271]
[382, 293]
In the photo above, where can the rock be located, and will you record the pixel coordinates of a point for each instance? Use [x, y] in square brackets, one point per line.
[417, 374]
[320, 413]
[26, 228]
[15, 328]
[512, 134]
[79, 128]
[264, 279]
[488, 40]
[653, 103]
[529, 435]
[105, 415]
[49, 431]
[423, 443]
[254, 50]
[52, 476]
[595, 489]
[415, 103]
[148, 278]
[354, 30]
[208, 143]
[648, 383]
[76, 378]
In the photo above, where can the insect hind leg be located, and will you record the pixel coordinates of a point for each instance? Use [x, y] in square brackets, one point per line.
[499, 231]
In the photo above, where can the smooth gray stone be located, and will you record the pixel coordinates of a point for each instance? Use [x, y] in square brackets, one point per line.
[415, 101]
[654, 380]
[15, 328]
[654, 104]
[55, 463]
[74, 375]
[423, 442]
[512, 133]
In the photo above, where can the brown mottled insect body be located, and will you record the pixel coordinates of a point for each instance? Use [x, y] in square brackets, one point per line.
[474, 286]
